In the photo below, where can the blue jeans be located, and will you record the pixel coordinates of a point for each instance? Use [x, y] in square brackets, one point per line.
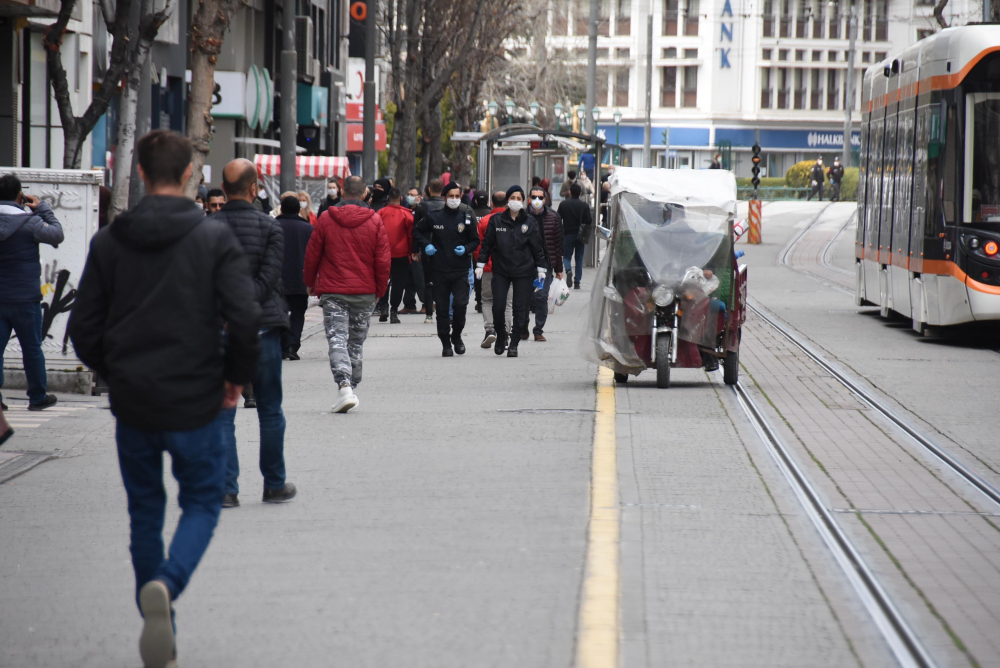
[25, 320]
[267, 391]
[540, 304]
[573, 246]
[198, 460]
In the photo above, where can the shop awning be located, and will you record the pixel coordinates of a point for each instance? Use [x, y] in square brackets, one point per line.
[306, 166]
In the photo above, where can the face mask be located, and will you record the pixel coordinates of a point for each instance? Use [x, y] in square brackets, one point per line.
[410, 199]
[303, 204]
[515, 205]
[453, 203]
[200, 205]
[537, 204]
[332, 192]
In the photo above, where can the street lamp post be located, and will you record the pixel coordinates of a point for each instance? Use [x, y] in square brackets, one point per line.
[509, 106]
[558, 111]
[493, 107]
[534, 107]
[618, 120]
[581, 111]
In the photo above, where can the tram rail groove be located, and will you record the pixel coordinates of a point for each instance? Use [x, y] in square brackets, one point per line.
[870, 399]
[902, 641]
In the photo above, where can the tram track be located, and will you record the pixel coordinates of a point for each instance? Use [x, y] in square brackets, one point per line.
[902, 641]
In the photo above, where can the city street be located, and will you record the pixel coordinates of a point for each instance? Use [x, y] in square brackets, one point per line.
[457, 517]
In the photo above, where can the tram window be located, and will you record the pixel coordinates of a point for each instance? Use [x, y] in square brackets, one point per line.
[982, 188]
[950, 166]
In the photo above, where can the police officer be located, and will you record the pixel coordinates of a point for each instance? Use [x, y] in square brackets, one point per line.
[836, 174]
[514, 243]
[448, 237]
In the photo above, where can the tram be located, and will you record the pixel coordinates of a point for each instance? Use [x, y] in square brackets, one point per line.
[928, 237]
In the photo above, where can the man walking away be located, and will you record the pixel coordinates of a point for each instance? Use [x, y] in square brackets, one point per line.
[398, 222]
[156, 286]
[514, 244]
[347, 266]
[836, 174]
[263, 242]
[577, 220]
[551, 228]
[296, 232]
[499, 205]
[433, 202]
[817, 177]
[21, 282]
[448, 237]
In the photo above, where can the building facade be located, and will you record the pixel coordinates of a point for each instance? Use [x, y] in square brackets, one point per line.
[728, 72]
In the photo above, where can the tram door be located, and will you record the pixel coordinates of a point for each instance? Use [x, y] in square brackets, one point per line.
[510, 168]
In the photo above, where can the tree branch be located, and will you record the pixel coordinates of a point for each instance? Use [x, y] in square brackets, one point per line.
[939, 13]
[52, 43]
[436, 89]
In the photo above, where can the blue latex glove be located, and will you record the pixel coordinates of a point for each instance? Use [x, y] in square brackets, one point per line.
[539, 283]
[459, 250]
[430, 250]
[740, 253]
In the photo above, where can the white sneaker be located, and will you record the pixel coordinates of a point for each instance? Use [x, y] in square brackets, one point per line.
[346, 400]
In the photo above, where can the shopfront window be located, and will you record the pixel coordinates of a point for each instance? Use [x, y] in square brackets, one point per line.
[982, 158]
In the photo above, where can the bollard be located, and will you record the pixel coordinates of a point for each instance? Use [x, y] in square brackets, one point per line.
[754, 236]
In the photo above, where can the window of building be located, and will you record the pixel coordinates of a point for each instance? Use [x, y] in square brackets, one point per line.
[800, 89]
[601, 53]
[768, 18]
[882, 20]
[785, 22]
[802, 21]
[831, 90]
[560, 18]
[831, 56]
[765, 88]
[800, 54]
[621, 87]
[691, 17]
[690, 92]
[668, 87]
[816, 92]
[921, 34]
[670, 53]
[622, 54]
[817, 56]
[879, 56]
[691, 53]
[866, 57]
[765, 54]
[834, 21]
[818, 20]
[782, 54]
[782, 88]
[603, 17]
[670, 14]
[581, 17]
[603, 81]
[623, 17]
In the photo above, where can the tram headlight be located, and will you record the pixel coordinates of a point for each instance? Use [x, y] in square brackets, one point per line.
[991, 248]
[973, 243]
[663, 295]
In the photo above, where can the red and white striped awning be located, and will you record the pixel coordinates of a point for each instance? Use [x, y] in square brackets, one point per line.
[306, 166]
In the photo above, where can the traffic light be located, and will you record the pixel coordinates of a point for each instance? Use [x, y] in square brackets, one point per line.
[755, 170]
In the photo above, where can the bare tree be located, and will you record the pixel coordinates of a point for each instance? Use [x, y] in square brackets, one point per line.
[939, 13]
[208, 30]
[149, 24]
[123, 58]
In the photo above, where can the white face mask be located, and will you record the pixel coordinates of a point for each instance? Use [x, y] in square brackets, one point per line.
[515, 205]
[303, 204]
[537, 203]
[332, 192]
[199, 205]
[453, 203]
[410, 199]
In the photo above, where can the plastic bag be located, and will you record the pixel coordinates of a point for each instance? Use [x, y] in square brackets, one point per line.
[558, 294]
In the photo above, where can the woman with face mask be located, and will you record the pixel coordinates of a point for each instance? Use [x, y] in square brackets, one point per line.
[551, 227]
[332, 196]
[514, 242]
[448, 236]
[306, 207]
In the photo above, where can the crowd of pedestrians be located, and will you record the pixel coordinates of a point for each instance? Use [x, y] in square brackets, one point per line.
[186, 304]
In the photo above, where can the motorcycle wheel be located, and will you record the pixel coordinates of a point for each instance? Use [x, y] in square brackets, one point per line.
[621, 377]
[731, 368]
[663, 361]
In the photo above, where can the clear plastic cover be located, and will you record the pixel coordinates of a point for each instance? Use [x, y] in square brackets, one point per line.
[658, 243]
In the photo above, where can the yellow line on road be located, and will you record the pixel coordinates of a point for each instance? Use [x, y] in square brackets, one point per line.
[597, 644]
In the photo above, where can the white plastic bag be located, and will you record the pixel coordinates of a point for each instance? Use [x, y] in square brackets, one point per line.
[558, 294]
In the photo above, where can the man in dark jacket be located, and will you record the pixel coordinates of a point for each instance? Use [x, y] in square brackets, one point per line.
[816, 178]
[836, 174]
[380, 193]
[296, 232]
[448, 237]
[21, 281]
[263, 242]
[156, 287]
[332, 196]
[577, 220]
[433, 202]
[514, 243]
[551, 228]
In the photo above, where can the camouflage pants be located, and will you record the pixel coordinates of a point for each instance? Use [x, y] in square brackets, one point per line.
[346, 331]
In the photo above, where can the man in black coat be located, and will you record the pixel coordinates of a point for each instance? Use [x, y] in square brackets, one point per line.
[432, 202]
[263, 242]
[157, 285]
[836, 174]
[296, 232]
[816, 177]
[577, 220]
[448, 238]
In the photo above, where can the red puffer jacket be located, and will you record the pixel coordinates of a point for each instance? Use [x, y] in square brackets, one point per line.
[399, 226]
[483, 222]
[348, 253]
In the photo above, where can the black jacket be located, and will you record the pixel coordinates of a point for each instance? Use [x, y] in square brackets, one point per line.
[327, 203]
[446, 229]
[262, 241]
[157, 286]
[836, 173]
[296, 232]
[816, 174]
[426, 206]
[514, 245]
[576, 216]
[20, 264]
